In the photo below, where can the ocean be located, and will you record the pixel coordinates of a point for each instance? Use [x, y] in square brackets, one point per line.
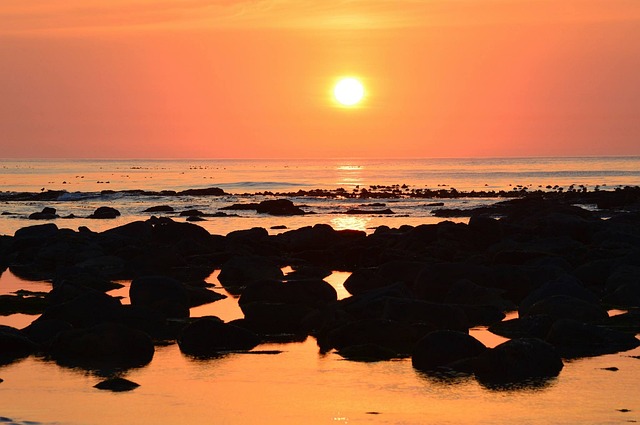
[89, 184]
[299, 385]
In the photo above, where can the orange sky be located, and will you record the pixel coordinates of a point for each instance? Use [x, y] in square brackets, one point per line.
[252, 79]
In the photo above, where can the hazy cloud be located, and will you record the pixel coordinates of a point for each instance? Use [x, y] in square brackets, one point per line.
[24, 16]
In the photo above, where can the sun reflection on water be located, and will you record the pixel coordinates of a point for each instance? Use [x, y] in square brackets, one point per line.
[350, 223]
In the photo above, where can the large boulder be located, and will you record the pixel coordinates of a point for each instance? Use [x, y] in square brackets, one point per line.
[87, 309]
[518, 360]
[444, 348]
[566, 285]
[105, 213]
[210, 337]
[575, 339]
[365, 279]
[276, 320]
[396, 336]
[14, 345]
[47, 213]
[239, 271]
[565, 307]
[104, 346]
[309, 292]
[278, 207]
[163, 294]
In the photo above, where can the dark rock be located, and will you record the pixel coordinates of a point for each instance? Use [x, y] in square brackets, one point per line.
[564, 285]
[367, 353]
[440, 316]
[278, 227]
[108, 345]
[575, 339]
[210, 191]
[279, 207]
[242, 207]
[239, 271]
[524, 327]
[47, 213]
[210, 337]
[159, 208]
[518, 360]
[25, 304]
[565, 307]
[14, 345]
[355, 211]
[308, 271]
[87, 309]
[105, 213]
[266, 318]
[191, 213]
[362, 280]
[116, 385]
[395, 336]
[442, 348]
[193, 218]
[44, 332]
[38, 232]
[200, 296]
[309, 292]
[163, 294]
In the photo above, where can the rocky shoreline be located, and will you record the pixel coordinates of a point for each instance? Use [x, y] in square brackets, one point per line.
[415, 290]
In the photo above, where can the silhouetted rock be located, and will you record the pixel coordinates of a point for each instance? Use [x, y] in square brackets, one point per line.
[362, 280]
[269, 319]
[191, 213]
[105, 213]
[108, 345]
[442, 348]
[44, 332]
[367, 353]
[14, 345]
[278, 207]
[159, 208]
[309, 292]
[358, 211]
[239, 271]
[163, 294]
[563, 285]
[518, 360]
[87, 309]
[116, 385]
[210, 191]
[210, 337]
[47, 213]
[576, 339]
[395, 336]
[565, 307]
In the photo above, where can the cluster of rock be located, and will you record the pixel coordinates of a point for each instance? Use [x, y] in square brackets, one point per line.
[415, 291]
[49, 213]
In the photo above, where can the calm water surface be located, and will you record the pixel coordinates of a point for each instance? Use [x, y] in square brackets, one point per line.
[298, 385]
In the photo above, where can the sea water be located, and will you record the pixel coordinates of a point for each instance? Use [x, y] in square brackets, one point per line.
[90, 184]
[299, 385]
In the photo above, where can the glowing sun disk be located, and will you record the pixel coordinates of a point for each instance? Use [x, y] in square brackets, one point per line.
[348, 91]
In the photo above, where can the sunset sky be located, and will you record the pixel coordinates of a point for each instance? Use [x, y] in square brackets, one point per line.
[254, 79]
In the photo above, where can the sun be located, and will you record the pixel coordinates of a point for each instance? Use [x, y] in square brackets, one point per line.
[348, 91]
